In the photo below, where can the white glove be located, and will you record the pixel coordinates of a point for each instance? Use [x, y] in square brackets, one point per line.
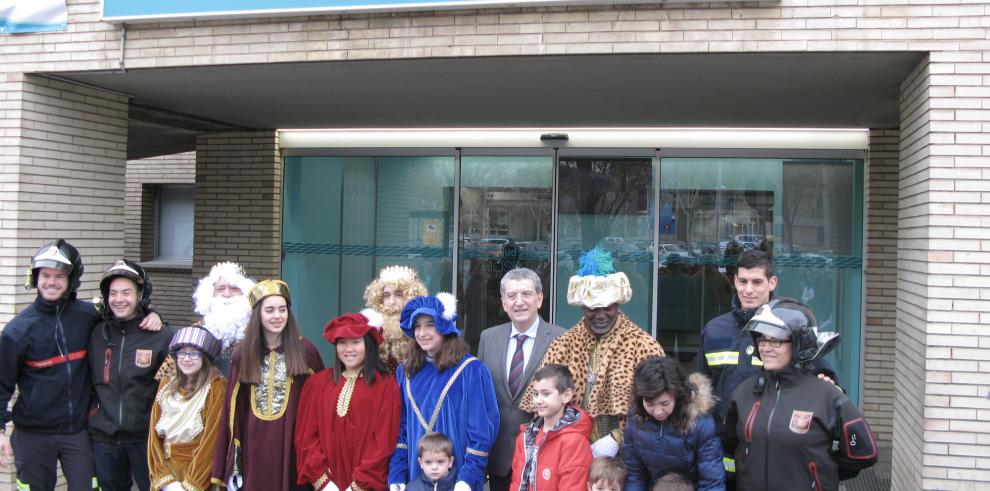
[235, 482]
[173, 486]
[330, 486]
[605, 446]
[396, 487]
[461, 486]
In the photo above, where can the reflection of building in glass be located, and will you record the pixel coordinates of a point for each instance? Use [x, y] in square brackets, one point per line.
[508, 212]
[708, 219]
[816, 217]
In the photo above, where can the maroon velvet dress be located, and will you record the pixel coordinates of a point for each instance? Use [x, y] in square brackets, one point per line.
[258, 442]
[347, 439]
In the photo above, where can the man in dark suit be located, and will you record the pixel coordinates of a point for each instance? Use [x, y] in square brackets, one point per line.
[513, 363]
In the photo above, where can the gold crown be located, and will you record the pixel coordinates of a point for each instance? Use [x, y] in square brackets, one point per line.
[397, 273]
[267, 288]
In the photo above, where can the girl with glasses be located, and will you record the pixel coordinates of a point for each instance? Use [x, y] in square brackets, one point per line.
[186, 414]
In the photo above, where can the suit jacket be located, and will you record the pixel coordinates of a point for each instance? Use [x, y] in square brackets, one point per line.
[493, 351]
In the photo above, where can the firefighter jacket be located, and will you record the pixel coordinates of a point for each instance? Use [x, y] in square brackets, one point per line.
[790, 430]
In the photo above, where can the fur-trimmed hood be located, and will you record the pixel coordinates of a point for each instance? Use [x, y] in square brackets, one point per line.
[652, 449]
[703, 399]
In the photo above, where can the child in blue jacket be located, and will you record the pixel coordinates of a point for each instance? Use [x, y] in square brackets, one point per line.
[670, 428]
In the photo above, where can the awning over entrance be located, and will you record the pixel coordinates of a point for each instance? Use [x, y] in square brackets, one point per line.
[727, 90]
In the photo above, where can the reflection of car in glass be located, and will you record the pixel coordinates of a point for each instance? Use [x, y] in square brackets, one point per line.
[612, 243]
[672, 249]
[534, 250]
[569, 245]
[666, 252]
[497, 246]
[757, 238]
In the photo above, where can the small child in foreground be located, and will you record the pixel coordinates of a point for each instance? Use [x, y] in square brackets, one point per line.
[436, 458]
[606, 474]
[553, 451]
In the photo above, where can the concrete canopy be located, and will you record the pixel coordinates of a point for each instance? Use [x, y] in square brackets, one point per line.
[171, 105]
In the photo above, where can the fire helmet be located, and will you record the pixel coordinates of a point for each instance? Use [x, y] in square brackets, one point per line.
[58, 255]
[788, 319]
[131, 271]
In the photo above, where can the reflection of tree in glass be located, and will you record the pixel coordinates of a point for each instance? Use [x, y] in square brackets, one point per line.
[607, 190]
[809, 188]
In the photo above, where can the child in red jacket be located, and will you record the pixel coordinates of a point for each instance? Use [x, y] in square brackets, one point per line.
[553, 451]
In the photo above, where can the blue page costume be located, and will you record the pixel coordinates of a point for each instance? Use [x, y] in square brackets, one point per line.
[458, 402]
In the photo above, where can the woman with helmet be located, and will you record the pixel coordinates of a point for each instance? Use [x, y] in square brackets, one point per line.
[123, 360]
[184, 419]
[785, 426]
[269, 367]
[444, 390]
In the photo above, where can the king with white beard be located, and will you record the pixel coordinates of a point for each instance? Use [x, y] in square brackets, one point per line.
[221, 298]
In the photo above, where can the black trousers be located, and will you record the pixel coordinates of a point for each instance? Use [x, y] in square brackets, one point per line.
[118, 465]
[500, 483]
[36, 456]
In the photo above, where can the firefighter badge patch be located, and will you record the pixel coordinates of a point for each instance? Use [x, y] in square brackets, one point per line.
[801, 421]
[142, 358]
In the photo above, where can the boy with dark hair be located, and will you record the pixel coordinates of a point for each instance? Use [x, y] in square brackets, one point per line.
[553, 450]
[436, 458]
[606, 474]
[123, 360]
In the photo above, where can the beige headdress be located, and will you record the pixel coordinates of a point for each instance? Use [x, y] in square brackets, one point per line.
[596, 284]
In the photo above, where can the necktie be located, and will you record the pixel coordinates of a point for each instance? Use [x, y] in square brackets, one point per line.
[516, 367]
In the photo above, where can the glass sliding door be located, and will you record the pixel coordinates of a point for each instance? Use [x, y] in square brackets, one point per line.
[505, 219]
[344, 218]
[674, 225]
[806, 212]
[606, 202]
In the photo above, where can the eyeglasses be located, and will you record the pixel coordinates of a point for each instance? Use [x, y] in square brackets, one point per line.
[192, 355]
[774, 343]
[527, 295]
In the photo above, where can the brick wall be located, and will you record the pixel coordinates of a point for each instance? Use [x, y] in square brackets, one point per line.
[62, 151]
[791, 25]
[880, 275]
[957, 256]
[788, 25]
[910, 352]
[238, 203]
[65, 176]
[174, 283]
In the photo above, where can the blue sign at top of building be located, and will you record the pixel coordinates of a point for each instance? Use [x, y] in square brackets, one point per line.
[151, 11]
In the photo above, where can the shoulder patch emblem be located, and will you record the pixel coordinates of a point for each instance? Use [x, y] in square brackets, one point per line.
[749, 350]
[142, 358]
[801, 421]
